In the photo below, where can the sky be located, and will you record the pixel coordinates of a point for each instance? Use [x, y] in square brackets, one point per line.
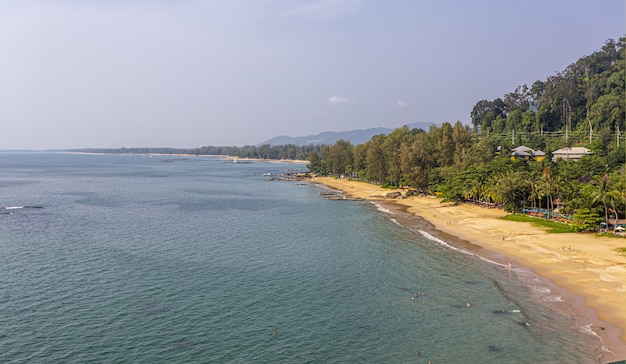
[191, 73]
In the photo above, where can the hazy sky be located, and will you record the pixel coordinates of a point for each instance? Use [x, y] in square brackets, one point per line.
[189, 73]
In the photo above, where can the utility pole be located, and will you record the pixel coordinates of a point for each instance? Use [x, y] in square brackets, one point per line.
[567, 111]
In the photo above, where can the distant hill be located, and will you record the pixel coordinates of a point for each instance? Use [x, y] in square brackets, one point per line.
[355, 137]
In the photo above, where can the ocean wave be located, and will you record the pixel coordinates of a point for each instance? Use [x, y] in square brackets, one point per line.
[380, 208]
[386, 212]
[20, 207]
[541, 291]
[437, 240]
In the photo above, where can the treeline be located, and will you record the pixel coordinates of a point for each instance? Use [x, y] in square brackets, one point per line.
[584, 104]
[447, 161]
[580, 106]
[264, 151]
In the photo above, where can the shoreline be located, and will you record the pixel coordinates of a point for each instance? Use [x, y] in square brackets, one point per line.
[294, 161]
[221, 156]
[584, 269]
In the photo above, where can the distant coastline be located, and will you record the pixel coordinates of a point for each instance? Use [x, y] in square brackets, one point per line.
[588, 270]
[227, 157]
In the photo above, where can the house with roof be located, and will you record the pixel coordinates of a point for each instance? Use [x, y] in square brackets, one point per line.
[524, 153]
[573, 153]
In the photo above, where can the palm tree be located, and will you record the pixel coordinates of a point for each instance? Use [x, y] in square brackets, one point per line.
[510, 188]
[473, 190]
[551, 186]
[535, 189]
[613, 197]
[548, 187]
[601, 195]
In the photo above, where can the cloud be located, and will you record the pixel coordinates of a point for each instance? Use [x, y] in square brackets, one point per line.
[336, 100]
[401, 103]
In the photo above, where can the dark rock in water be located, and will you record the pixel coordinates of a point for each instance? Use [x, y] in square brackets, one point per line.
[493, 348]
[499, 312]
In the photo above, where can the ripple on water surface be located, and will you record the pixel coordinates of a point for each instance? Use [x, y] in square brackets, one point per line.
[136, 260]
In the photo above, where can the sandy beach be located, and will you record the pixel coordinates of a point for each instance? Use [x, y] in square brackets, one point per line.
[589, 270]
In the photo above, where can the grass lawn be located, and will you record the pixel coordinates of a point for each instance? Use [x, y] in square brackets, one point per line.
[551, 226]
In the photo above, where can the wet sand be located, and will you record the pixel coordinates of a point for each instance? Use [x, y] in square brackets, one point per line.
[587, 270]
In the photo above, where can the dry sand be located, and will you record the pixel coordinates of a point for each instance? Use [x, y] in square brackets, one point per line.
[585, 265]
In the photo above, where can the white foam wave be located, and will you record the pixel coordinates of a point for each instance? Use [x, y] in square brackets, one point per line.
[13, 207]
[552, 298]
[540, 290]
[386, 212]
[382, 209]
[430, 237]
[589, 330]
[437, 240]
[544, 293]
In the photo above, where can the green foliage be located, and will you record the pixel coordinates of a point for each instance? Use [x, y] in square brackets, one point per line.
[571, 107]
[586, 220]
[579, 105]
[315, 164]
[265, 151]
[552, 227]
[339, 157]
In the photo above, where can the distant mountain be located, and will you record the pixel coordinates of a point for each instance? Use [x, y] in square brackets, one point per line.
[355, 137]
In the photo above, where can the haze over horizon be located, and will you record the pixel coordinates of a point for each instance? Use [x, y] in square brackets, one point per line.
[155, 73]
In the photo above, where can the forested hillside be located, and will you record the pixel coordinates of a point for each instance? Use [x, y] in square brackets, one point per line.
[582, 106]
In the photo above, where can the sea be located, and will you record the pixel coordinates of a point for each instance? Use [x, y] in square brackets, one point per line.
[200, 259]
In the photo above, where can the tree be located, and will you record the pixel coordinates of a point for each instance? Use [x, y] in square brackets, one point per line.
[586, 219]
[510, 190]
[339, 157]
[391, 148]
[315, 163]
[602, 194]
[375, 159]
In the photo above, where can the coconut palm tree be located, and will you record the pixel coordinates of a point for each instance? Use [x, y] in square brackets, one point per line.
[601, 194]
[535, 189]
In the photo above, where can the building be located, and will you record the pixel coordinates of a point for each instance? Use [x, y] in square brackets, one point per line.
[528, 154]
[574, 153]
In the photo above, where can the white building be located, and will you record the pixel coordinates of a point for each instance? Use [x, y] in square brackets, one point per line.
[574, 153]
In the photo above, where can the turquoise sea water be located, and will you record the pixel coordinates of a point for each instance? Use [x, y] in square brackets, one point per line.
[154, 259]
